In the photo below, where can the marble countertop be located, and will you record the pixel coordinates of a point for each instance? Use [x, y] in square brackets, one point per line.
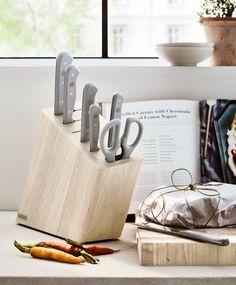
[119, 268]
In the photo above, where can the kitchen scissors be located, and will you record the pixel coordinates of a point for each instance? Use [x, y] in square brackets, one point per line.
[110, 152]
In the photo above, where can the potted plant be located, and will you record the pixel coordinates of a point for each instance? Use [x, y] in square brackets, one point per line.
[220, 28]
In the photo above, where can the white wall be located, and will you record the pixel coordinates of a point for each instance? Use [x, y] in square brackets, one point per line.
[25, 90]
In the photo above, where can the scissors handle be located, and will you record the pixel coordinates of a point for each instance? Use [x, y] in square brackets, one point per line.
[110, 152]
[127, 149]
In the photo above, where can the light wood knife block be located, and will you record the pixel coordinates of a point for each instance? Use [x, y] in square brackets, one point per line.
[71, 192]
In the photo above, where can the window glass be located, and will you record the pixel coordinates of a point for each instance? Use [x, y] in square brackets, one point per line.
[144, 23]
[43, 28]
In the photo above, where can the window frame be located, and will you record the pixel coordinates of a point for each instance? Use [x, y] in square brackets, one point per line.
[104, 40]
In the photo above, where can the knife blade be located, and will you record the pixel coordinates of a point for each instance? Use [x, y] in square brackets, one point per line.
[63, 60]
[69, 98]
[89, 93]
[185, 233]
[116, 109]
[94, 126]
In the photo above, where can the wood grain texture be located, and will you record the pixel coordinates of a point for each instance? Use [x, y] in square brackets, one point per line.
[161, 249]
[71, 192]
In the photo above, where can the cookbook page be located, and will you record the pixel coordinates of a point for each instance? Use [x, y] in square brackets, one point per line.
[170, 141]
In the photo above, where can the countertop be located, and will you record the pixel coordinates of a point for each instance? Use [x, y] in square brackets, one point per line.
[119, 268]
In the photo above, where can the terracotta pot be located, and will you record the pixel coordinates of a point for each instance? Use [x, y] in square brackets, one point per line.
[222, 32]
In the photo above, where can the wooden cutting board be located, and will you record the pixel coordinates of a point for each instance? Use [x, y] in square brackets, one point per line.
[161, 249]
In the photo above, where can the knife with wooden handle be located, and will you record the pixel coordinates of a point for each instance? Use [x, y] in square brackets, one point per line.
[62, 62]
[185, 233]
[94, 127]
[116, 109]
[89, 93]
[69, 98]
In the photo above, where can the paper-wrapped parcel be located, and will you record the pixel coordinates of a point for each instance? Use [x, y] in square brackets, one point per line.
[215, 207]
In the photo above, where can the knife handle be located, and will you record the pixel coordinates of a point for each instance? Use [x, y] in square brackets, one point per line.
[94, 126]
[62, 62]
[69, 98]
[89, 93]
[116, 108]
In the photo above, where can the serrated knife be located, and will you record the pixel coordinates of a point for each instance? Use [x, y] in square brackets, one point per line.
[62, 62]
[69, 98]
[89, 93]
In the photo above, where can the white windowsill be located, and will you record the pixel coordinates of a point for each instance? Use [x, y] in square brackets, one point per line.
[97, 62]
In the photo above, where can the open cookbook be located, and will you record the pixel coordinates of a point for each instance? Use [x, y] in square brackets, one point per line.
[198, 136]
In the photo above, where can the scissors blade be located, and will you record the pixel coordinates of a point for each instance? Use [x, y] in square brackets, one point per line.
[116, 108]
[69, 94]
[127, 149]
[110, 152]
[94, 126]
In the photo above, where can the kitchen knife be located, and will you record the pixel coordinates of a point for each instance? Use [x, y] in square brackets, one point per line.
[94, 126]
[62, 62]
[185, 233]
[116, 108]
[69, 97]
[88, 99]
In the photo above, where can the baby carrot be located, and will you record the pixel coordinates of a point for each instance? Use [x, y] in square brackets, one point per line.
[55, 255]
[61, 246]
[71, 249]
[95, 250]
[49, 254]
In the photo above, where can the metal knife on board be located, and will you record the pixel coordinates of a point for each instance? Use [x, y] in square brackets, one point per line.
[94, 126]
[89, 93]
[116, 109]
[185, 233]
[69, 97]
[62, 62]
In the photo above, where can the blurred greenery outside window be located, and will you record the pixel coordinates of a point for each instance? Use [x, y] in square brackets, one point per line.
[43, 28]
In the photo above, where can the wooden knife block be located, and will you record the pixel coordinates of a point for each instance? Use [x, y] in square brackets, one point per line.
[71, 192]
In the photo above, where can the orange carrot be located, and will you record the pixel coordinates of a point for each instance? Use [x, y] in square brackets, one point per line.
[55, 255]
[96, 250]
[61, 246]
[71, 249]
[49, 254]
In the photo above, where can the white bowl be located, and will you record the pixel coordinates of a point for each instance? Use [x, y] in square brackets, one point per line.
[184, 54]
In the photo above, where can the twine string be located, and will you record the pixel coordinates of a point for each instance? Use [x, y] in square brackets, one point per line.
[203, 189]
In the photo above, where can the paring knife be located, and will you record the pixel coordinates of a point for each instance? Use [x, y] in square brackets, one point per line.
[69, 97]
[116, 108]
[189, 234]
[94, 126]
[88, 99]
[62, 62]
